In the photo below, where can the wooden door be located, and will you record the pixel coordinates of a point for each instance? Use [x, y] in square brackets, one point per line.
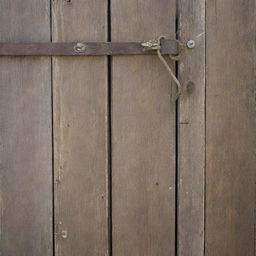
[97, 157]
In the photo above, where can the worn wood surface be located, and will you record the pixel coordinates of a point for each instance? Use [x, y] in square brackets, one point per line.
[168, 46]
[25, 134]
[231, 122]
[143, 134]
[80, 132]
[191, 122]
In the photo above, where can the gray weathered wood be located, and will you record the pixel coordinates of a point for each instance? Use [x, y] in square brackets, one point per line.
[231, 122]
[168, 46]
[25, 134]
[80, 132]
[191, 122]
[143, 134]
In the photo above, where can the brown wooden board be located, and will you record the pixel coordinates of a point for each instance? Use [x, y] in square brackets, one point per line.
[168, 46]
[80, 91]
[143, 134]
[231, 122]
[25, 134]
[191, 120]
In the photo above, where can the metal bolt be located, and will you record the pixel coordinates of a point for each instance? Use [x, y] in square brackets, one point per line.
[80, 47]
[191, 44]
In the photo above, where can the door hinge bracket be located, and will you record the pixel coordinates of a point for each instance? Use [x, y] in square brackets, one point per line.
[168, 46]
[159, 47]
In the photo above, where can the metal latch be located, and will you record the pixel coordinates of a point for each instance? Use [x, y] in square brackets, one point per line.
[168, 46]
[156, 45]
[151, 45]
[160, 46]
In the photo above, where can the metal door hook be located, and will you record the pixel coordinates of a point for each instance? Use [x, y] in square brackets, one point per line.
[156, 45]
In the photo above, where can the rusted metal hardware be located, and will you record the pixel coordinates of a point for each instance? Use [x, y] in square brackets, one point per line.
[80, 47]
[168, 47]
[152, 45]
[159, 47]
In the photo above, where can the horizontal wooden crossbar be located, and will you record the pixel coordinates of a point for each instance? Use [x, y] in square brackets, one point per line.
[170, 47]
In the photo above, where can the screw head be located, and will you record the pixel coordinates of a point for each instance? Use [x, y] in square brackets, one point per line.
[191, 44]
[80, 47]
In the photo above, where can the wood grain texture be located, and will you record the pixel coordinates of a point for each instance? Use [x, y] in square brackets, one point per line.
[143, 134]
[231, 122]
[191, 121]
[25, 134]
[80, 132]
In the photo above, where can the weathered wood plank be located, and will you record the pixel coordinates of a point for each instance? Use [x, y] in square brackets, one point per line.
[168, 46]
[231, 122]
[143, 134]
[80, 132]
[25, 134]
[191, 121]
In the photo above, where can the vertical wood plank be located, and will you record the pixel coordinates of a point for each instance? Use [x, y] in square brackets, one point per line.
[80, 132]
[191, 121]
[143, 134]
[25, 133]
[231, 122]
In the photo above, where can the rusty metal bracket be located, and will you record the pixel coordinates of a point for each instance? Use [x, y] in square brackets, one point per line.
[168, 47]
[159, 47]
